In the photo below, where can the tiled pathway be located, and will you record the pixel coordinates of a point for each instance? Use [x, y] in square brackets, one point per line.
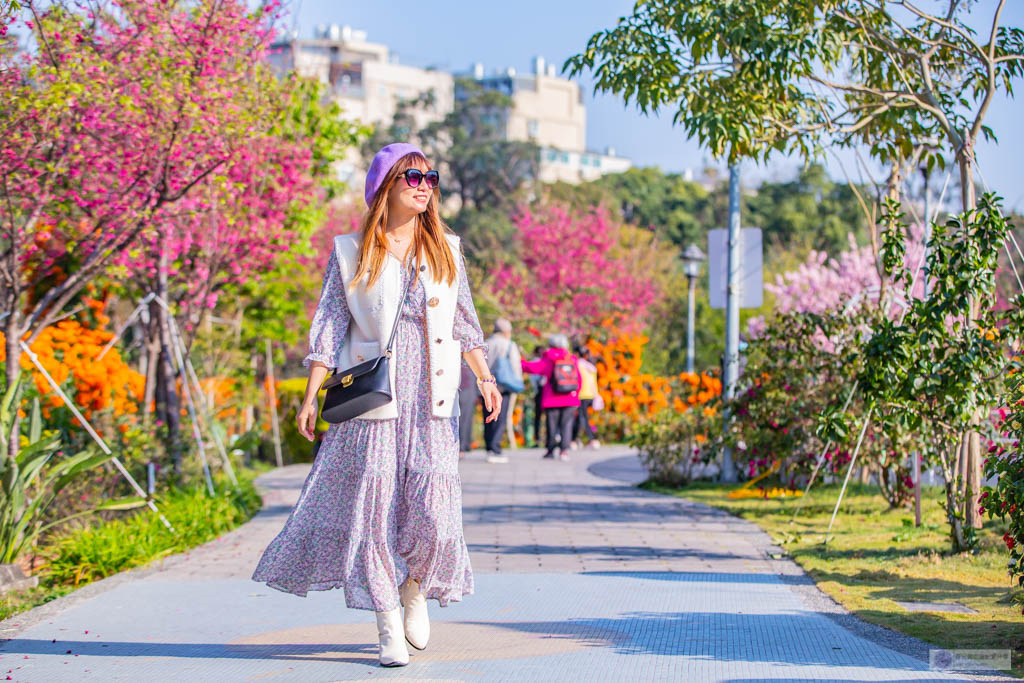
[580, 577]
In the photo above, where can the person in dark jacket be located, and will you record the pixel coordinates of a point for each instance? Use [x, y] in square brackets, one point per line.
[500, 345]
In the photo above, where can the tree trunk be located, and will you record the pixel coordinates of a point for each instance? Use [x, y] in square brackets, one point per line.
[151, 349]
[961, 472]
[950, 463]
[970, 470]
[170, 397]
[172, 408]
[956, 529]
[973, 483]
[12, 367]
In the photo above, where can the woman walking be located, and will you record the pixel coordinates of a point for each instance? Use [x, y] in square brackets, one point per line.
[560, 394]
[380, 514]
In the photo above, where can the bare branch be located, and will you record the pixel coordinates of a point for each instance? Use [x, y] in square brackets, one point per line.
[990, 67]
[994, 31]
[947, 23]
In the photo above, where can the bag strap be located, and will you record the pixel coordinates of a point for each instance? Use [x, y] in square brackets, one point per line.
[401, 305]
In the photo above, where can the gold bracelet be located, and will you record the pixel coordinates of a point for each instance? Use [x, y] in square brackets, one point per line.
[486, 380]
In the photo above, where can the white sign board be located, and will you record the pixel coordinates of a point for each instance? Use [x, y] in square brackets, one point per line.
[750, 278]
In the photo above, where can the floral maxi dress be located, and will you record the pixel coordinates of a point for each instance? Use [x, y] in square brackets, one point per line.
[383, 499]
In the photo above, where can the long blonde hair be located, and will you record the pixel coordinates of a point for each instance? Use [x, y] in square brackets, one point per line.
[429, 242]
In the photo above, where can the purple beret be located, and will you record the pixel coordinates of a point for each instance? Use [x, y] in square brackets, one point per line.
[382, 163]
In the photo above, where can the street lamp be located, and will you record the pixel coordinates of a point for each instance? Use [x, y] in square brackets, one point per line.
[692, 258]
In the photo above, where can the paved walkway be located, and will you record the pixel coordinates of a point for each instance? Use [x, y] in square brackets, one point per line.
[580, 576]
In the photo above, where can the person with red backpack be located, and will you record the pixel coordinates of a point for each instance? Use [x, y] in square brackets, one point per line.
[560, 394]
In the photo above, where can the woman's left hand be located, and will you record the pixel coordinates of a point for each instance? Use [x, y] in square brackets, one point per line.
[492, 400]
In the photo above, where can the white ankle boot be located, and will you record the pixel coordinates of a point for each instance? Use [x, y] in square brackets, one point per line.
[417, 624]
[393, 651]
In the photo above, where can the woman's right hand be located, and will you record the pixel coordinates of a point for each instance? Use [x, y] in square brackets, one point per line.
[306, 420]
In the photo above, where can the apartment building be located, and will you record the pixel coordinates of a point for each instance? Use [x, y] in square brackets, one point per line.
[549, 111]
[364, 78]
[367, 81]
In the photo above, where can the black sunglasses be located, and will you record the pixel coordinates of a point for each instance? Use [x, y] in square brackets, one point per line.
[413, 176]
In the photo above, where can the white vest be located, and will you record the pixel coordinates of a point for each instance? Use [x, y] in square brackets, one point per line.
[373, 313]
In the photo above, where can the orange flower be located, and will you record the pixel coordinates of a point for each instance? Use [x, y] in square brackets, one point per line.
[69, 350]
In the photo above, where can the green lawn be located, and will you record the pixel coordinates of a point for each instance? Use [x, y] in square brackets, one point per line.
[876, 556]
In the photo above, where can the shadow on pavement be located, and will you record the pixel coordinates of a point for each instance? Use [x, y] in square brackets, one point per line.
[715, 577]
[709, 636]
[629, 512]
[625, 468]
[800, 640]
[327, 652]
[833, 680]
[570, 489]
[610, 553]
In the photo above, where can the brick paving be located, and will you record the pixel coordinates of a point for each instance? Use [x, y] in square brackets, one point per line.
[580, 576]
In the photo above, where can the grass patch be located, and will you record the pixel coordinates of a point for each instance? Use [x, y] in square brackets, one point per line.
[94, 552]
[876, 556]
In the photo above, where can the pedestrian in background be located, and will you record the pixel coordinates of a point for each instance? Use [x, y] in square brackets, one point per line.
[505, 363]
[560, 395]
[537, 383]
[468, 397]
[588, 393]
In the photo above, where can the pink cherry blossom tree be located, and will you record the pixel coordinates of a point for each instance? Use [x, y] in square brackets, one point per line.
[824, 284]
[116, 115]
[576, 269]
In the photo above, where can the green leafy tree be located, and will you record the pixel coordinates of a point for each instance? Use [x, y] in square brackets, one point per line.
[486, 169]
[275, 305]
[945, 362]
[811, 212]
[481, 166]
[677, 210]
[747, 78]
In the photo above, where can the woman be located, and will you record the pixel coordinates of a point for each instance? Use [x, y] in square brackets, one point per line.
[560, 393]
[380, 514]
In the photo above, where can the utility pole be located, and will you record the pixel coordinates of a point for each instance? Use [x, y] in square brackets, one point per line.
[732, 316]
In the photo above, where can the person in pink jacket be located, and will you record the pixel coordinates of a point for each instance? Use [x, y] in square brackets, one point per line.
[560, 395]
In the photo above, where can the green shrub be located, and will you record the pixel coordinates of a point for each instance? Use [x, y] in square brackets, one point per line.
[31, 481]
[673, 446]
[92, 553]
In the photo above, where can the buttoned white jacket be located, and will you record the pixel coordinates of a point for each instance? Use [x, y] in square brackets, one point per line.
[373, 310]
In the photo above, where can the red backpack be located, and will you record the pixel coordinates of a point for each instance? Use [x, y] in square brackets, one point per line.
[564, 378]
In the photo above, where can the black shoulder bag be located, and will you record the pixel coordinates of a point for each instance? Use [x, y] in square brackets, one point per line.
[366, 386]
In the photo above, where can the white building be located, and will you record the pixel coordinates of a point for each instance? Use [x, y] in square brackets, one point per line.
[364, 78]
[549, 111]
[367, 81]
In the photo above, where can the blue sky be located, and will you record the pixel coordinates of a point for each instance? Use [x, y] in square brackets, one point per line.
[452, 35]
